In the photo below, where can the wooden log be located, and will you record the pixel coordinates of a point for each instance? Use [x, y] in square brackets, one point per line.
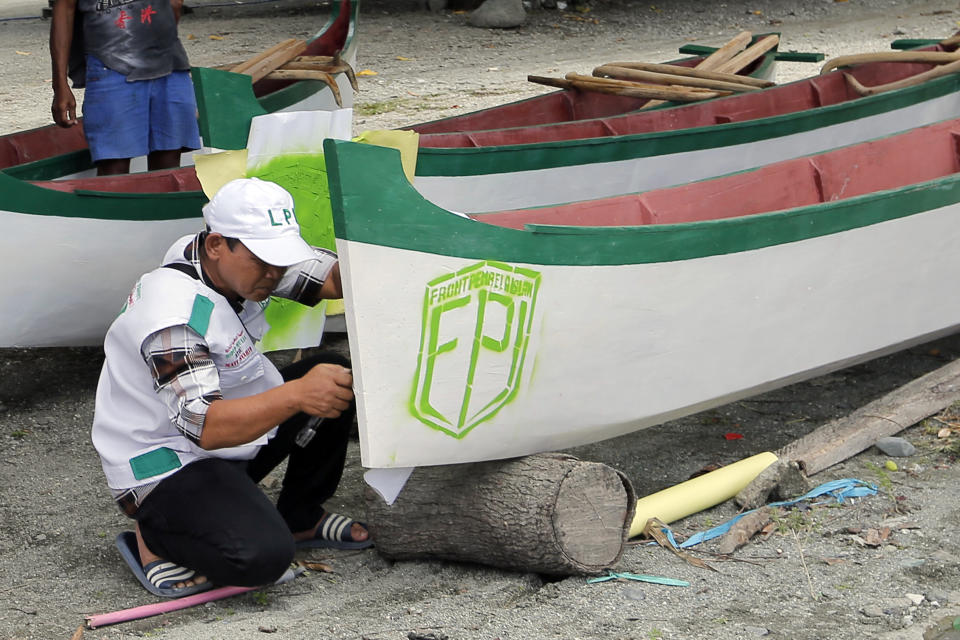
[742, 530]
[931, 57]
[692, 72]
[748, 55]
[782, 480]
[278, 55]
[548, 513]
[670, 79]
[843, 438]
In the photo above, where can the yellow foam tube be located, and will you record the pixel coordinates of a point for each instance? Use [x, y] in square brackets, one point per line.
[700, 493]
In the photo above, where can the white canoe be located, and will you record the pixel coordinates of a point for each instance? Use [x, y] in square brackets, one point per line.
[472, 340]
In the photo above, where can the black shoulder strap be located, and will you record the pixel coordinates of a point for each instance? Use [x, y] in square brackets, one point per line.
[183, 267]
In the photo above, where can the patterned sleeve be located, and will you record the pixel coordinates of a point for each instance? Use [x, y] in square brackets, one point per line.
[302, 282]
[184, 376]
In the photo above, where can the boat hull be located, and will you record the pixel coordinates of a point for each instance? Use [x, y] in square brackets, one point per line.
[530, 175]
[67, 275]
[474, 342]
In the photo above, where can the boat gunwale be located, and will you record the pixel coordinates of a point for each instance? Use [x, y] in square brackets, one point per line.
[407, 226]
[440, 161]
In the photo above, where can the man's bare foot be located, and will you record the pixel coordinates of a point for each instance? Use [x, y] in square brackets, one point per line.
[147, 556]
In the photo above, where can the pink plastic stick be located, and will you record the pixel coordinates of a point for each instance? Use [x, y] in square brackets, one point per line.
[147, 610]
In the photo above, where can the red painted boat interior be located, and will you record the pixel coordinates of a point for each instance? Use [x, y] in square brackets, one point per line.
[165, 181]
[37, 144]
[557, 106]
[819, 91]
[909, 158]
[45, 142]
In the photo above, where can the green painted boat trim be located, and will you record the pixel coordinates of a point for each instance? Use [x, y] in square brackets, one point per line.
[785, 56]
[53, 167]
[226, 105]
[395, 215]
[226, 101]
[519, 157]
[23, 197]
[913, 43]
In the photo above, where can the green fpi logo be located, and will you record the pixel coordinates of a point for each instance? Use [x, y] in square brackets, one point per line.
[476, 328]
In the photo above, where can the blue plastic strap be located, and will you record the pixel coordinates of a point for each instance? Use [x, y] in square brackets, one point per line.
[839, 490]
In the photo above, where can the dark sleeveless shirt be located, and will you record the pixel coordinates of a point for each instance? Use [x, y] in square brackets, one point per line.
[137, 38]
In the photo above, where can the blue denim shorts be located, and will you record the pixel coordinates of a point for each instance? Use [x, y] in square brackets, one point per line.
[129, 119]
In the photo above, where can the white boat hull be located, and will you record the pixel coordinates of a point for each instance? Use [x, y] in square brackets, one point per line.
[613, 349]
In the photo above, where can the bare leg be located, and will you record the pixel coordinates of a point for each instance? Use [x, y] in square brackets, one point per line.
[163, 160]
[113, 167]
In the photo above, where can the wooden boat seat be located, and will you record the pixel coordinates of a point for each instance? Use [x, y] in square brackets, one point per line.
[165, 181]
[931, 152]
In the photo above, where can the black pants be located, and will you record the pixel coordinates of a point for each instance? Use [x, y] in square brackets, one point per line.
[212, 517]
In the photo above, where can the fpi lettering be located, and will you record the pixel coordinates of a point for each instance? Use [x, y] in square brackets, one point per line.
[285, 217]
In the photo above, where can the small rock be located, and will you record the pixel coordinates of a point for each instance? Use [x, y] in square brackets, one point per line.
[634, 592]
[433, 635]
[756, 631]
[915, 598]
[943, 556]
[896, 447]
[935, 595]
[911, 563]
[872, 611]
[265, 629]
[40, 537]
[498, 14]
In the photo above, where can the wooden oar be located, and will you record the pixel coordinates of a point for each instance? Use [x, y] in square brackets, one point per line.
[262, 64]
[643, 90]
[931, 57]
[692, 72]
[951, 41]
[726, 52]
[717, 59]
[327, 64]
[631, 90]
[920, 78]
[637, 75]
[308, 74]
[748, 55]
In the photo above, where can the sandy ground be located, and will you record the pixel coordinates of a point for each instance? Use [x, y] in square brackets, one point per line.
[811, 578]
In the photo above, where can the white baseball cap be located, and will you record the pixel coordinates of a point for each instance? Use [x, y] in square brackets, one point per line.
[259, 214]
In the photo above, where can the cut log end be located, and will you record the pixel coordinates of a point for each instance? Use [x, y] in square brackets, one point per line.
[547, 514]
[589, 515]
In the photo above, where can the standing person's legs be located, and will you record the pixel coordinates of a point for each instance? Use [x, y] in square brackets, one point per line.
[173, 120]
[313, 472]
[211, 517]
[115, 118]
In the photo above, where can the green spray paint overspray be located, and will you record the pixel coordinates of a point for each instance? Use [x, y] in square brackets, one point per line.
[304, 175]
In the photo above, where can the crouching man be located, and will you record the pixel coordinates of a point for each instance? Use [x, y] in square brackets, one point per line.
[190, 415]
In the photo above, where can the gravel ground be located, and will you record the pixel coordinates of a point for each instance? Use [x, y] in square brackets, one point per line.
[811, 578]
